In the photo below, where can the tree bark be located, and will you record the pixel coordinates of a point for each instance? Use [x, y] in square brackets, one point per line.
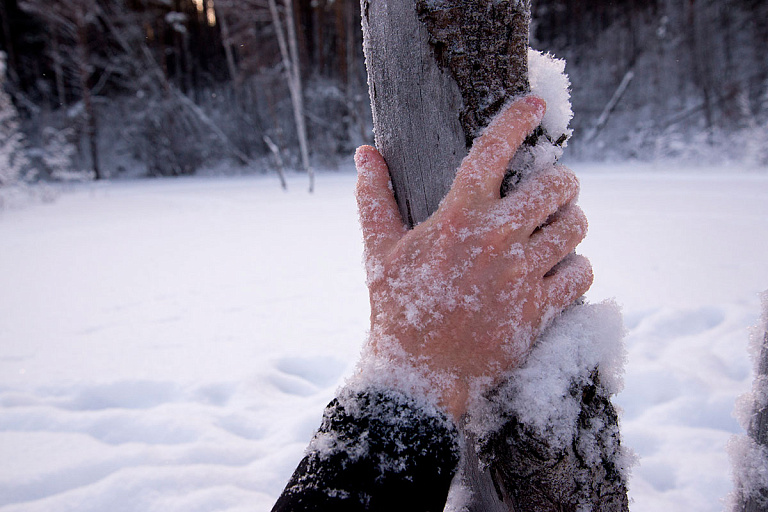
[758, 431]
[437, 73]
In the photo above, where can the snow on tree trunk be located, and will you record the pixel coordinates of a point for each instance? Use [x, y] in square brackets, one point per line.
[438, 71]
[749, 454]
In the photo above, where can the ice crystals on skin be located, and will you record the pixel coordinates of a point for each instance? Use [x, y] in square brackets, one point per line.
[470, 279]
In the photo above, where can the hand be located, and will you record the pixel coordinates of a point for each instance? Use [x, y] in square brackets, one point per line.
[463, 295]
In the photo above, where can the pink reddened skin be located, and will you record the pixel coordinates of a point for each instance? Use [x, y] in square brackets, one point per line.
[466, 292]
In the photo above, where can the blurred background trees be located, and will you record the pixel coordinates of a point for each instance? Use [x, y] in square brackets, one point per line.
[165, 87]
[695, 74]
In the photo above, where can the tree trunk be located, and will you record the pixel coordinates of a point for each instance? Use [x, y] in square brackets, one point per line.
[58, 70]
[8, 42]
[611, 105]
[751, 489]
[290, 55]
[471, 58]
[758, 430]
[438, 72]
[227, 43]
[84, 74]
[278, 160]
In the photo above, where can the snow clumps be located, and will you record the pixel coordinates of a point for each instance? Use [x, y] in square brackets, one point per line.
[539, 393]
[546, 75]
[547, 78]
[553, 415]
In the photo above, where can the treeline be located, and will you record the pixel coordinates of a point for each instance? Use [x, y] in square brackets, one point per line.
[663, 78]
[176, 84]
[167, 86]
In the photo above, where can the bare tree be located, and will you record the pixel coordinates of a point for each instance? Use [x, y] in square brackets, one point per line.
[166, 129]
[12, 157]
[290, 55]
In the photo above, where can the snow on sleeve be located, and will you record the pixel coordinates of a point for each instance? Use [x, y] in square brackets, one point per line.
[391, 368]
[749, 458]
[373, 447]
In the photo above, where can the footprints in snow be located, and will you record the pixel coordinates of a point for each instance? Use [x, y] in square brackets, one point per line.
[668, 363]
[673, 323]
[134, 429]
[306, 376]
[164, 413]
[685, 369]
[131, 394]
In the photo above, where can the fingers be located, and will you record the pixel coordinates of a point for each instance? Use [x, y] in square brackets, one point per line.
[555, 241]
[483, 169]
[539, 197]
[380, 219]
[568, 281]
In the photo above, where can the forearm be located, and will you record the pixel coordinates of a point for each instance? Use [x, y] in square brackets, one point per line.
[376, 450]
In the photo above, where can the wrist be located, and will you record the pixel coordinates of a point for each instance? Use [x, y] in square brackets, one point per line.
[454, 404]
[393, 359]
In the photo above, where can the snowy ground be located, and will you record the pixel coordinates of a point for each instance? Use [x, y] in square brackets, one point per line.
[168, 345]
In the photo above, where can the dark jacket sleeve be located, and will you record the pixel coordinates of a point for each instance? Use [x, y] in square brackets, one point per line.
[375, 451]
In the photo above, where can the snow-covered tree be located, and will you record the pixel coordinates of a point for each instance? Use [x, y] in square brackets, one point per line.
[288, 43]
[71, 21]
[12, 156]
[59, 155]
[749, 453]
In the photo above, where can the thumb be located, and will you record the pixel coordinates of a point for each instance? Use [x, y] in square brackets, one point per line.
[380, 219]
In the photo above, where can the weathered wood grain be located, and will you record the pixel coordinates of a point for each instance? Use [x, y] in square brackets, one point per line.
[437, 73]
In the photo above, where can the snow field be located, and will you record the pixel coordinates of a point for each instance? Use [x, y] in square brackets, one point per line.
[156, 330]
[170, 344]
[684, 253]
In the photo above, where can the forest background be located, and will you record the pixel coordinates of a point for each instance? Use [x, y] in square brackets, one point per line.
[110, 88]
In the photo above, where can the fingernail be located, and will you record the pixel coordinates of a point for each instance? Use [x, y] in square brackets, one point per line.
[538, 103]
[361, 158]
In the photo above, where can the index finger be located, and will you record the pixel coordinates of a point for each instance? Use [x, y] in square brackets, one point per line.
[484, 168]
